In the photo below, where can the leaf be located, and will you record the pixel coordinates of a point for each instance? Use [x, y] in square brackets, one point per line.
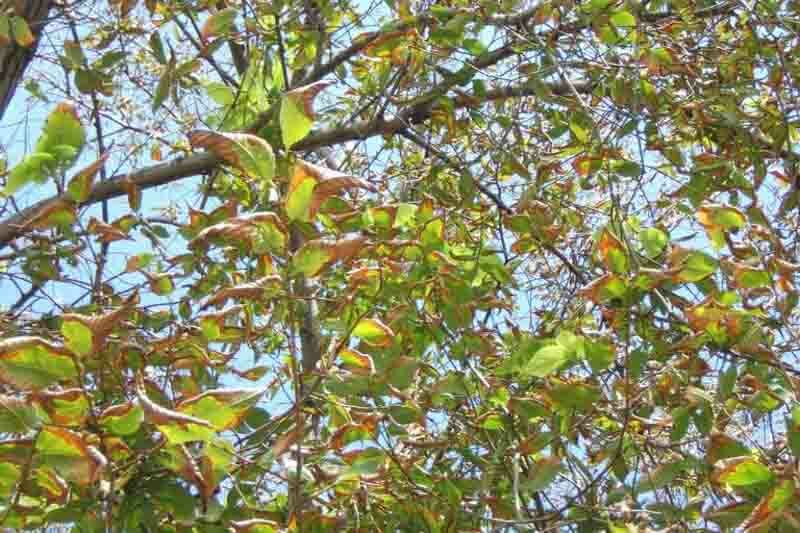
[220, 23]
[374, 332]
[259, 232]
[311, 185]
[123, 419]
[34, 363]
[543, 472]
[546, 360]
[612, 252]
[86, 334]
[751, 278]
[64, 407]
[164, 84]
[653, 241]
[691, 266]
[223, 408]
[249, 153]
[70, 455]
[18, 415]
[297, 112]
[22, 32]
[215, 464]
[177, 427]
[741, 471]
[63, 136]
[256, 291]
[255, 525]
[316, 255]
[770, 507]
[623, 19]
[357, 362]
[80, 185]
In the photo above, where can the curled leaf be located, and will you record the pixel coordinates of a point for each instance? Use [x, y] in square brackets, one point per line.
[249, 153]
[256, 230]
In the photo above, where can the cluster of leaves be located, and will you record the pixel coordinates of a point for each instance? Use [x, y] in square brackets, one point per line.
[469, 267]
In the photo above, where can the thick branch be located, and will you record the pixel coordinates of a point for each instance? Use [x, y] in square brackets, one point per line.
[193, 165]
[14, 59]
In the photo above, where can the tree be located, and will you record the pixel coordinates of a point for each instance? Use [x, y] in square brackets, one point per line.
[403, 266]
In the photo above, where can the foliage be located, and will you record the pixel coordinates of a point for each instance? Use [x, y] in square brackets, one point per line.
[409, 266]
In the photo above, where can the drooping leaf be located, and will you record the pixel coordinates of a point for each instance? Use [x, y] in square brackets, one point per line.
[247, 152]
[220, 23]
[223, 408]
[297, 112]
[34, 363]
[316, 255]
[123, 419]
[177, 427]
[374, 332]
[70, 455]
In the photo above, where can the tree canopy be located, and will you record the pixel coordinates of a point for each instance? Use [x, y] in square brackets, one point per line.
[394, 265]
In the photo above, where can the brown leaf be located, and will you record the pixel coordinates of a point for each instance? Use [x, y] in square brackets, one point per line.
[106, 233]
[306, 95]
[245, 291]
[244, 229]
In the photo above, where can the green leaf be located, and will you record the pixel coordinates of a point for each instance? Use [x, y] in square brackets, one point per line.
[546, 361]
[123, 419]
[742, 471]
[22, 32]
[312, 258]
[223, 408]
[78, 337]
[17, 415]
[653, 241]
[623, 19]
[297, 113]
[697, 266]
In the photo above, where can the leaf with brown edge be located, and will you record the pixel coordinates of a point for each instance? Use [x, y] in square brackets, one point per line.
[18, 414]
[253, 291]
[58, 213]
[86, 334]
[612, 252]
[53, 487]
[374, 332]
[177, 427]
[357, 362]
[720, 219]
[134, 194]
[255, 525]
[215, 464]
[220, 23]
[69, 454]
[247, 152]
[80, 185]
[297, 112]
[311, 185]
[34, 363]
[606, 287]
[65, 407]
[318, 254]
[257, 230]
[770, 507]
[179, 460]
[106, 233]
[123, 419]
[223, 408]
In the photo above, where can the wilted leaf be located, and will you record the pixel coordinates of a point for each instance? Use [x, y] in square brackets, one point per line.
[374, 332]
[123, 419]
[316, 255]
[357, 362]
[259, 231]
[220, 23]
[254, 291]
[297, 112]
[177, 427]
[34, 363]
[249, 153]
[223, 408]
[68, 453]
[80, 185]
[64, 407]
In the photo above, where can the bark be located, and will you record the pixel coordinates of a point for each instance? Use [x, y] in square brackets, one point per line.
[14, 59]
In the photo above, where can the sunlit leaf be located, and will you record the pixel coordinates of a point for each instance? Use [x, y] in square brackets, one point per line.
[249, 153]
[297, 112]
[374, 332]
[70, 455]
[34, 363]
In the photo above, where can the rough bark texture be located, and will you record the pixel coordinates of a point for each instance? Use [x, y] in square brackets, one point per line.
[14, 59]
